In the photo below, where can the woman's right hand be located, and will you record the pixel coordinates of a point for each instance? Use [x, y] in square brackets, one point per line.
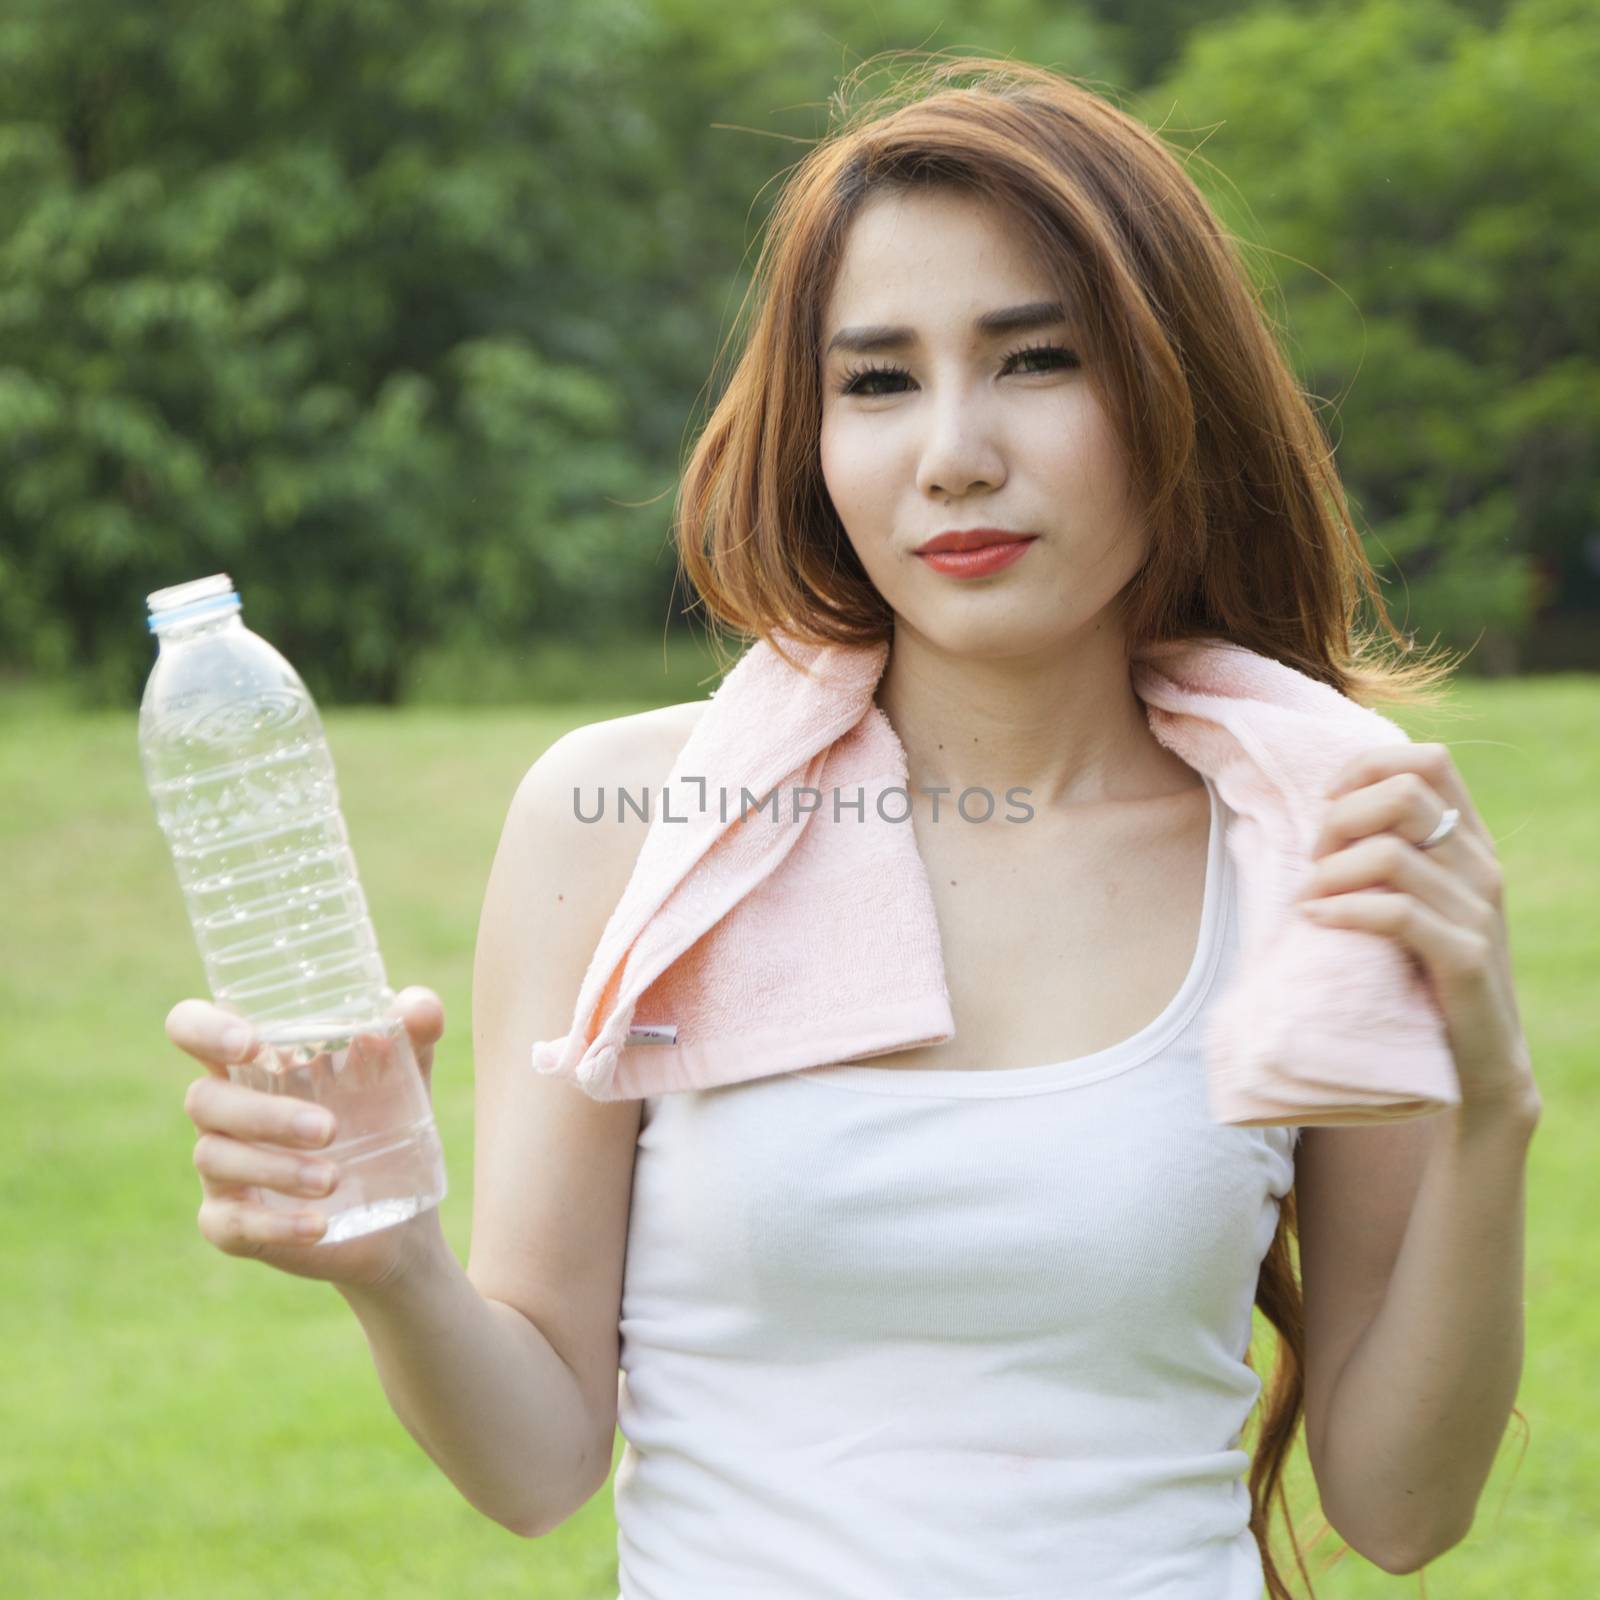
[250, 1141]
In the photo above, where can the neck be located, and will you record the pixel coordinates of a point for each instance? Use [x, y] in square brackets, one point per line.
[1063, 723]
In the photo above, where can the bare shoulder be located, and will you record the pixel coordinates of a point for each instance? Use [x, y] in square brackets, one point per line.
[645, 743]
[557, 876]
[634, 752]
[564, 869]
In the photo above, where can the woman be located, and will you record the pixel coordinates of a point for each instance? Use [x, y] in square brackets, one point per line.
[953, 1321]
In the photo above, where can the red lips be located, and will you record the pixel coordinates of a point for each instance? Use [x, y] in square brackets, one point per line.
[980, 562]
[971, 539]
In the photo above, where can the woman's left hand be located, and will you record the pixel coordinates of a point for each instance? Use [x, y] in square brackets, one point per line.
[1444, 905]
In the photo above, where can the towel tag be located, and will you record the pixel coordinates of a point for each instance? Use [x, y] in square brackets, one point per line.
[652, 1033]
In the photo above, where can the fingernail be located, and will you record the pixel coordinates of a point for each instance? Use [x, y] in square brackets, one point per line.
[236, 1041]
[312, 1125]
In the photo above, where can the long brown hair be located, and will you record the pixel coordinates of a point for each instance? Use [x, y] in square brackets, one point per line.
[1251, 538]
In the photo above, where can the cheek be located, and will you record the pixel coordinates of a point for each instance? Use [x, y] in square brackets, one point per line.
[826, 452]
[852, 468]
[1085, 458]
[835, 444]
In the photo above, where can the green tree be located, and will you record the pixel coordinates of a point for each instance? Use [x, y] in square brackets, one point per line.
[404, 314]
[308, 291]
[1422, 178]
[400, 313]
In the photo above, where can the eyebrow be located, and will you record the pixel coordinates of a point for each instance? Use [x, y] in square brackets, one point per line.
[1012, 319]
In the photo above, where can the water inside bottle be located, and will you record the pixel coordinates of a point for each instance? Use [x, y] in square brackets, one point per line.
[386, 1147]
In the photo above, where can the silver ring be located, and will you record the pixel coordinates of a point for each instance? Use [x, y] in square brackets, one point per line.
[1447, 826]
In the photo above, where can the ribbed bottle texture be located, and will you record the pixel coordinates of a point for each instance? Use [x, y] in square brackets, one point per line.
[243, 786]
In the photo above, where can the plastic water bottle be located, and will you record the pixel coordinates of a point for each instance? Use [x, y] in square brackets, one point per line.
[243, 785]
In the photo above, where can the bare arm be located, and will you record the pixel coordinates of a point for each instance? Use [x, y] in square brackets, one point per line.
[505, 1371]
[483, 1392]
[1425, 1397]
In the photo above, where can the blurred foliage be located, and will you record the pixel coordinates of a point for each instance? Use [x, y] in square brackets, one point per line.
[403, 314]
[318, 294]
[1426, 177]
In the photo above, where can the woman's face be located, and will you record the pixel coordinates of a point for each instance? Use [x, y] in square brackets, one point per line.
[944, 425]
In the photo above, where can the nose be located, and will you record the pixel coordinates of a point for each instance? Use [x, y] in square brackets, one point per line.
[961, 453]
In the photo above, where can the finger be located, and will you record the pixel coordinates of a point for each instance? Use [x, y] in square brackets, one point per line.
[240, 1229]
[211, 1035]
[226, 1165]
[1433, 763]
[424, 1014]
[215, 1105]
[1404, 808]
[424, 1021]
[1445, 950]
[1383, 861]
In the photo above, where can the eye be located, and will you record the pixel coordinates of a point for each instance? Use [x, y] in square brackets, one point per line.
[857, 379]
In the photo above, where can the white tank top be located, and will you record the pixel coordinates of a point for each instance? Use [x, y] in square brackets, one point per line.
[907, 1334]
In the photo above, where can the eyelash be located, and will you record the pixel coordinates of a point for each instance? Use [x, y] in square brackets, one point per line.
[856, 376]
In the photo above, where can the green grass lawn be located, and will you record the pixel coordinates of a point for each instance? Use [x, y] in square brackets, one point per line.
[178, 1423]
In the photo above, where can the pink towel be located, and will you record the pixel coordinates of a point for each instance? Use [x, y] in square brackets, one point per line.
[805, 934]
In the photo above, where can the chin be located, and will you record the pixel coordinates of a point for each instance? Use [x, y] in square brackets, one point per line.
[998, 636]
